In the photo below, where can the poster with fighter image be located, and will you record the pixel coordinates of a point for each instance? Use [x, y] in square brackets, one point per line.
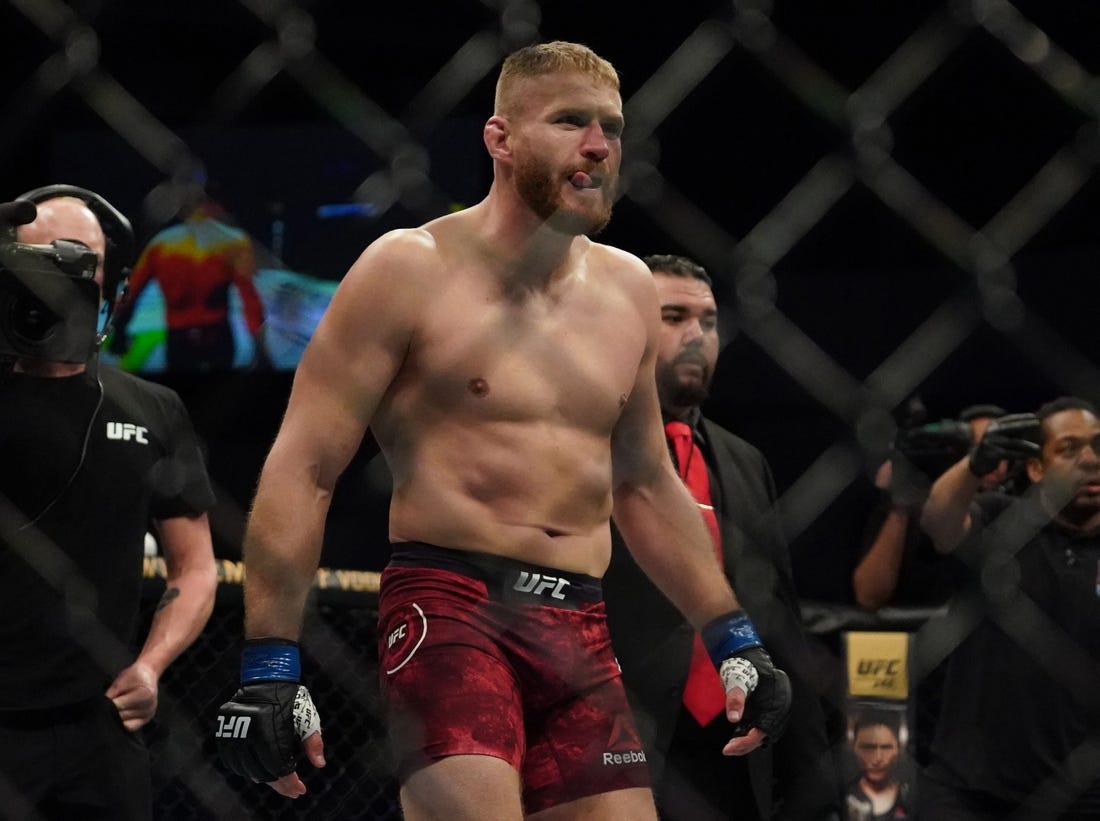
[880, 774]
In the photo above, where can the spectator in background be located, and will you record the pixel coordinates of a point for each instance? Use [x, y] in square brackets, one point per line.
[1018, 729]
[91, 457]
[795, 777]
[195, 262]
[899, 565]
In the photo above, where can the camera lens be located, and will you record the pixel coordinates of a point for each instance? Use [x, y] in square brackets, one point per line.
[30, 321]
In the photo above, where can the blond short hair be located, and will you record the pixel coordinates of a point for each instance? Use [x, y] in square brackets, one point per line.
[557, 57]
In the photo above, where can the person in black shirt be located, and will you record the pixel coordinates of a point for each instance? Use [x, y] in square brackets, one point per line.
[1019, 726]
[92, 459]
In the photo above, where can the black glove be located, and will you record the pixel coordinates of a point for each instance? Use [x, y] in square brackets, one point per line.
[260, 731]
[1014, 437]
[768, 706]
[920, 454]
[743, 662]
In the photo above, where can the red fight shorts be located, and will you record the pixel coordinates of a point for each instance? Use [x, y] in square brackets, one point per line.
[482, 655]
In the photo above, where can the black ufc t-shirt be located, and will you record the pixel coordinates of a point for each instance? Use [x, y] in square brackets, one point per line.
[83, 471]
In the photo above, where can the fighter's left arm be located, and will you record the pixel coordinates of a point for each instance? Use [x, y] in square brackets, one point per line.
[661, 525]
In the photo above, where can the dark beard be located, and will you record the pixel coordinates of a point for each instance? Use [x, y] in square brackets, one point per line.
[539, 189]
[676, 393]
[682, 395]
[679, 393]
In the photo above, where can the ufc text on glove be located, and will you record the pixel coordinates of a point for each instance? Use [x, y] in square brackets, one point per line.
[261, 729]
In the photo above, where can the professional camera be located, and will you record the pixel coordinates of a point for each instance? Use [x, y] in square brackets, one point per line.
[49, 301]
[935, 446]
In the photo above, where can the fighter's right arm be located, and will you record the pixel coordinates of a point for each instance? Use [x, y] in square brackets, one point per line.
[349, 363]
[357, 350]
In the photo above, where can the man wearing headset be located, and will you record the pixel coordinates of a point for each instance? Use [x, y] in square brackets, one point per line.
[90, 459]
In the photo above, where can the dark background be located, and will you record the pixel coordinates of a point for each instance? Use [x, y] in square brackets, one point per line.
[985, 120]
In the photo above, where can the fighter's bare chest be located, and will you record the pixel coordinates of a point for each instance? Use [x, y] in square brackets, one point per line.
[572, 358]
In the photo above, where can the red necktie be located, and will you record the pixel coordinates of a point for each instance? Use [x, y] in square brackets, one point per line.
[704, 696]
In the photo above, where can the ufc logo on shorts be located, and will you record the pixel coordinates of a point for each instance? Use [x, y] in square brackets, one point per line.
[537, 584]
[397, 635]
[233, 726]
[125, 431]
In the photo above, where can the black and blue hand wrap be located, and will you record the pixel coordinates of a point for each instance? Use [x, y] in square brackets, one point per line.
[729, 635]
[260, 730]
[270, 660]
[737, 651]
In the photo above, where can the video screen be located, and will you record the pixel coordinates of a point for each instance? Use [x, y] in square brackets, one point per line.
[290, 306]
[236, 275]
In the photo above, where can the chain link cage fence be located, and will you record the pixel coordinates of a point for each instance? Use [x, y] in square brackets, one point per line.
[894, 201]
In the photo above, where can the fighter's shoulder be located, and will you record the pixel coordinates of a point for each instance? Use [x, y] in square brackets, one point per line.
[411, 247]
[620, 262]
[625, 270]
[403, 260]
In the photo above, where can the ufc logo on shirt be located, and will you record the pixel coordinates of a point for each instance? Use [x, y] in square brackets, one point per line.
[125, 431]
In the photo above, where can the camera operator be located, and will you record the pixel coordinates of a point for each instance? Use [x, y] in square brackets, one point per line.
[1021, 697]
[92, 458]
[899, 565]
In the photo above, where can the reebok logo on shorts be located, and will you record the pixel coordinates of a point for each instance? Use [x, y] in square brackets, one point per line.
[615, 755]
[629, 757]
[621, 737]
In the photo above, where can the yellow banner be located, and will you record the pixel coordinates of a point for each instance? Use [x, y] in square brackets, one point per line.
[878, 665]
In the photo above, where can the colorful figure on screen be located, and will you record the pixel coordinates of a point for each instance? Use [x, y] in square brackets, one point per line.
[195, 262]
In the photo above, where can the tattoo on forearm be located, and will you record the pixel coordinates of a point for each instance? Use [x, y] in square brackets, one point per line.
[169, 594]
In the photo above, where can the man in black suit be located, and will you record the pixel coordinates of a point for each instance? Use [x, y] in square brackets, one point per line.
[794, 777]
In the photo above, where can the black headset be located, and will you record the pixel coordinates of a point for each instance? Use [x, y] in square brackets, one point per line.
[121, 244]
[118, 258]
